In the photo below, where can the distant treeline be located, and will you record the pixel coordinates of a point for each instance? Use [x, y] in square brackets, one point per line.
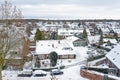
[77, 20]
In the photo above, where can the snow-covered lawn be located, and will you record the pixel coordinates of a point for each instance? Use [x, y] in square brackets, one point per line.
[72, 73]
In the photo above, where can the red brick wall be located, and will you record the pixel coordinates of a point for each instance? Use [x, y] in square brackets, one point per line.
[90, 76]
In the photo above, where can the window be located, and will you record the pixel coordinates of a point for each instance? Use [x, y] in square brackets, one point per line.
[71, 56]
[67, 48]
[64, 56]
[71, 32]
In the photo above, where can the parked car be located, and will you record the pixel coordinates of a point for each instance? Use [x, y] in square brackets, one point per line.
[39, 73]
[56, 72]
[25, 73]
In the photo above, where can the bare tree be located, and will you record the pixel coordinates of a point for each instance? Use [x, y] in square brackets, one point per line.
[9, 38]
[8, 11]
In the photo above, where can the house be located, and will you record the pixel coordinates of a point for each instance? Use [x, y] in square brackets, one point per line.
[93, 39]
[70, 32]
[109, 43]
[112, 41]
[18, 48]
[14, 60]
[116, 29]
[113, 60]
[53, 27]
[66, 49]
[104, 28]
[79, 42]
[32, 42]
[61, 47]
[1, 27]
[76, 42]
[16, 55]
[44, 47]
[50, 27]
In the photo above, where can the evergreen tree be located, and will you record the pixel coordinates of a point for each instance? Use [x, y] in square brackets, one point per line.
[37, 64]
[38, 35]
[108, 42]
[100, 31]
[84, 34]
[53, 58]
[101, 39]
[115, 36]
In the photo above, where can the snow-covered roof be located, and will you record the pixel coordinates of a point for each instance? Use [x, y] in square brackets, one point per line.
[105, 29]
[50, 25]
[64, 31]
[39, 24]
[32, 37]
[111, 40]
[93, 39]
[39, 72]
[116, 29]
[1, 27]
[72, 38]
[114, 56]
[61, 47]
[13, 56]
[33, 31]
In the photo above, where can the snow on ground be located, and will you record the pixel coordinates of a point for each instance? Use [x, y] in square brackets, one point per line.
[81, 53]
[71, 73]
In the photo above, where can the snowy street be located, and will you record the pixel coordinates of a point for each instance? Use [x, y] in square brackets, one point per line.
[71, 73]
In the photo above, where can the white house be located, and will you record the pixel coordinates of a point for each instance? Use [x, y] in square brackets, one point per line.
[112, 41]
[50, 27]
[70, 32]
[116, 29]
[105, 30]
[61, 47]
[93, 39]
[64, 49]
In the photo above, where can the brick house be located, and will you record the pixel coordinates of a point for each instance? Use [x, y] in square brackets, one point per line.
[15, 56]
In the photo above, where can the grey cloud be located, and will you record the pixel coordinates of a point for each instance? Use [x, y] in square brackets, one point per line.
[93, 7]
[76, 2]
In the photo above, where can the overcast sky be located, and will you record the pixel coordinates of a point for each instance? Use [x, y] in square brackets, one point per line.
[69, 9]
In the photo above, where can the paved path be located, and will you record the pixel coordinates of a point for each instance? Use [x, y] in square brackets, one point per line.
[75, 64]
